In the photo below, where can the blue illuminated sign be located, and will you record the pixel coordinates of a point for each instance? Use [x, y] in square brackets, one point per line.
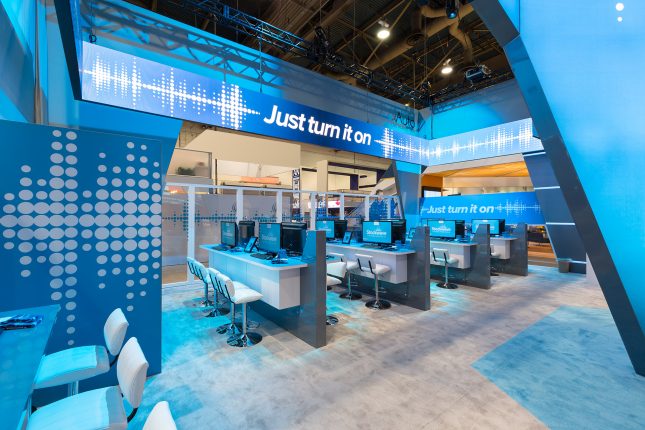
[118, 79]
[327, 227]
[442, 229]
[513, 207]
[270, 237]
[377, 232]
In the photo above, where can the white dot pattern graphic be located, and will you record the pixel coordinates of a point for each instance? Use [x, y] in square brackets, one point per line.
[51, 220]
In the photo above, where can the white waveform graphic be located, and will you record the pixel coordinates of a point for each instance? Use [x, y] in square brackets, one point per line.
[517, 207]
[131, 87]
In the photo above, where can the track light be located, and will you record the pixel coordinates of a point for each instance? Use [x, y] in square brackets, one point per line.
[447, 68]
[452, 8]
[384, 31]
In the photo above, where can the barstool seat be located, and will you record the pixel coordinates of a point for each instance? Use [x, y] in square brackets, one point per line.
[160, 418]
[350, 267]
[442, 256]
[202, 273]
[366, 264]
[72, 365]
[331, 281]
[335, 274]
[242, 295]
[494, 254]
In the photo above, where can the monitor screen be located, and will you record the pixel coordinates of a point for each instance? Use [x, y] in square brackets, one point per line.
[377, 232]
[229, 233]
[270, 235]
[293, 240]
[495, 225]
[442, 229]
[340, 227]
[246, 231]
[398, 229]
[327, 227]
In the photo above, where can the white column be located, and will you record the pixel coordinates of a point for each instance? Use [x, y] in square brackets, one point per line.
[278, 206]
[312, 213]
[367, 208]
[190, 248]
[239, 205]
[341, 210]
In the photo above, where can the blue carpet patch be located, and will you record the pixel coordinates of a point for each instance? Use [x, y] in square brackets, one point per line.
[571, 371]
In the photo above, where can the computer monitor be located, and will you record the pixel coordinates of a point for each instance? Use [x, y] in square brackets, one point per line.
[228, 231]
[340, 227]
[460, 228]
[270, 236]
[398, 229]
[327, 227]
[442, 229]
[497, 226]
[293, 237]
[379, 232]
[246, 231]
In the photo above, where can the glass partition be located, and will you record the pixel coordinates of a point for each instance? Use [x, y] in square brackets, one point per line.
[186, 162]
[174, 225]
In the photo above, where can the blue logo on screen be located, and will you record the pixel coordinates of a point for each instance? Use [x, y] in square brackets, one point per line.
[327, 227]
[493, 223]
[444, 229]
[270, 237]
[377, 232]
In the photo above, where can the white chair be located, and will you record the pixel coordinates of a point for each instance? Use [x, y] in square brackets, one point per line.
[241, 295]
[160, 418]
[193, 268]
[72, 365]
[494, 254]
[366, 264]
[102, 408]
[335, 274]
[202, 274]
[351, 266]
[231, 328]
[442, 256]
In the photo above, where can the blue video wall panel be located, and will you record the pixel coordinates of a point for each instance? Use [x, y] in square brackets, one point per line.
[81, 227]
[513, 207]
[118, 79]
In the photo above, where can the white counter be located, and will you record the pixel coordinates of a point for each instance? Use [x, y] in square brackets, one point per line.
[396, 260]
[278, 283]
[458, 250]
[502, 245]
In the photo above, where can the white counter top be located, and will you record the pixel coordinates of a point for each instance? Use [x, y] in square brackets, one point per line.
[292, 262]
[360, 247]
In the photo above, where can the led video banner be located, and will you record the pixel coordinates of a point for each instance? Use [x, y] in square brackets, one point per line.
[512, 207]
[118, 79]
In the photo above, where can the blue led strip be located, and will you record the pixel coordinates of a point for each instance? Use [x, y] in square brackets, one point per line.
[118, 79]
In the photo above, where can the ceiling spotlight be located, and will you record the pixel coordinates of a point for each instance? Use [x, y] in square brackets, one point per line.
[447, 68]
[620, 19]
[384, 31]
[452, 8]
[620, 7]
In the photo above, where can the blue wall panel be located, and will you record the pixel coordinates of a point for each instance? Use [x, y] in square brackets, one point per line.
[81, 227]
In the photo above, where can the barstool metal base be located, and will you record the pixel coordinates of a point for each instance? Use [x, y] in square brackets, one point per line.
[245, 340]
[331, 320]
[447, 285]
[215, 312]
[230, 329]
[378, 304]
[205, 303]
[351, 296]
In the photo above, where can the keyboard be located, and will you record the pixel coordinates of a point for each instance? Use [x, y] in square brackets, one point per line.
[262, 256]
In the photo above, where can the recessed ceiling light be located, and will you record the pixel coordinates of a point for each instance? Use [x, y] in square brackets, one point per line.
[620, 7]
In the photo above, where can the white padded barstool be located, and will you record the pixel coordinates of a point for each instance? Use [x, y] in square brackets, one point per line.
[335, 274]
[241, 295]
[442, 256]
[494, 254]
[101, 408]
[231, 328]
[202, 274]
[160, 418]
[192, 267]
[351, 266]
[72, 365]
[366, 264]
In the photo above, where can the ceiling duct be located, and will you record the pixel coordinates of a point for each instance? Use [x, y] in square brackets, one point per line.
[440, 22]
[416, 28]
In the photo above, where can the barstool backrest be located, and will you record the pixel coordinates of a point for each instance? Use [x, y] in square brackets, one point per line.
[200, 271]
[337, 269]
[160, 418]
[191, 264]
[442, 253]
[362, 260]
[131, 372]
[214, 279]
[114, 331]
[227, 284]
[337, 255]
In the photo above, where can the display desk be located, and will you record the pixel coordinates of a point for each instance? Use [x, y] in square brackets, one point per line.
[459, 250]
[396, 260]
[279, 284]
[20, 355]
[502, 244]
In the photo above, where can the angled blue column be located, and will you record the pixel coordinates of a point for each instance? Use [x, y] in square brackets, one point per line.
[578, 64]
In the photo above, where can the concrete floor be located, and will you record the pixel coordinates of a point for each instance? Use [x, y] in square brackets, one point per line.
[395, 369]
